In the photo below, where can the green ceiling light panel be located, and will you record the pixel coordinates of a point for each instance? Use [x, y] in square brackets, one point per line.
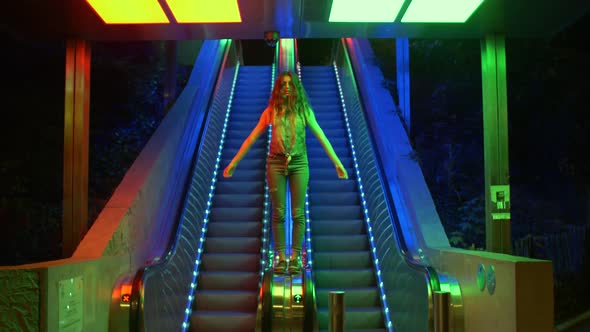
[129, 11]
[440, 11]
[365, 10]
[205, 11]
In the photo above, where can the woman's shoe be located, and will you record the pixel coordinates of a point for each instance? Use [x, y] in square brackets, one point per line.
[295, 265]
[280, 266]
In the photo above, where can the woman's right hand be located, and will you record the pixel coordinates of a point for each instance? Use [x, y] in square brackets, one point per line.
[229, 170]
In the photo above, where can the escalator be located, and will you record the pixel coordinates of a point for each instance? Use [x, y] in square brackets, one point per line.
[342, 259]
[227, 292]
[232, 290]
[227, 298]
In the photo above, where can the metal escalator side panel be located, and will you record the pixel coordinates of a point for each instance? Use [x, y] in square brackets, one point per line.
[310, 320]
[264, 310]
[164, 291]
[401, 281]
[288, 302]
[295, 298]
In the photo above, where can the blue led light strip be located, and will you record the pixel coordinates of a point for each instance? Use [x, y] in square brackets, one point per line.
[193, 285]
[309, 260]
[365, 209]
[265, 219]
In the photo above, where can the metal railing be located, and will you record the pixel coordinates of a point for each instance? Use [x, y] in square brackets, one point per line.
[163, 288]
[408, 287]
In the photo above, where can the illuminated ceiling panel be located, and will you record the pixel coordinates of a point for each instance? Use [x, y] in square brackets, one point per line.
[129, 11]
[365, 10]
[440, 11]
[205, 11]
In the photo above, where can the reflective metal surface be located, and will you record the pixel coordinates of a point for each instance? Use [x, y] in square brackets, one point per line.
[287, 303]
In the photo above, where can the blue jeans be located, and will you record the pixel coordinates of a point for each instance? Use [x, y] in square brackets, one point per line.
[297, 173]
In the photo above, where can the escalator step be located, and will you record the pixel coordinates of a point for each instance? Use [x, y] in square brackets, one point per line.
[234, 143]
[326, 114]
[246, 163]
[361, 297]
[341, 250]
[337, 227]
[355, 318]
[359, 330]
[227, 288]
[323, 93]
[221, 214]
[251, 116]
[247, 111]
[231, 262]
[343, 260]
[222, 300]
[231, 151]
[344, 278]
[232, 245]
[238, 200]
[313, 142]
[336, 212]
[242, 125]
[333, 243]
[322, 110]
[239, 134]
[234, 229]
[327, 124]
[318, 151]
[329, 173]
[323, 186]
[228, 280]
[335, 133]
[239, 187]
[320, 162]
[219, 321]
[334, 199]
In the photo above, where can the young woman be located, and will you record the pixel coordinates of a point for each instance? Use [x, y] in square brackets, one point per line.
[289, 113]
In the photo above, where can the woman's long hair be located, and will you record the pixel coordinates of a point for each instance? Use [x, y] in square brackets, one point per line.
[297, 102]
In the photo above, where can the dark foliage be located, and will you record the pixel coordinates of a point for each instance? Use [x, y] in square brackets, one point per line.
[549, 132]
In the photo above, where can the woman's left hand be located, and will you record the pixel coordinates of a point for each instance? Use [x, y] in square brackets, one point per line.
[342, 174]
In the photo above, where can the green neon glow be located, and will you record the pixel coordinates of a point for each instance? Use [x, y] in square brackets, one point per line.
[287, 54]
[129, 11]
[440, 11]
[205, 11]
[365, 10]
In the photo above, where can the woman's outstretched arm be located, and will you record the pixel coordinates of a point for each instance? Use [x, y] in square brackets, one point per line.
[263, 123]
[319, 133]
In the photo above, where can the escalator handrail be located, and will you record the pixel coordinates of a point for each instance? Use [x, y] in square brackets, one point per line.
[136, 311]
[430, 272]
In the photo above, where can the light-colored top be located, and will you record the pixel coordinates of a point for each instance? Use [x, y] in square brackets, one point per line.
[288, 132]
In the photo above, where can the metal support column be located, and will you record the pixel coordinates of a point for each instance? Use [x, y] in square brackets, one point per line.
[287, 55]
[495, 123]
[76, 128]
[402, 57]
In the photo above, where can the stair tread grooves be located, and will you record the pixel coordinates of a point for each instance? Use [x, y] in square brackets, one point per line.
[231, 254]
[232, 272]
[226, 291]
[339, 236]
[340, 252]
[357, 309]
[352, 289]
[223, 312]
[342, 270]
[235, 237]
